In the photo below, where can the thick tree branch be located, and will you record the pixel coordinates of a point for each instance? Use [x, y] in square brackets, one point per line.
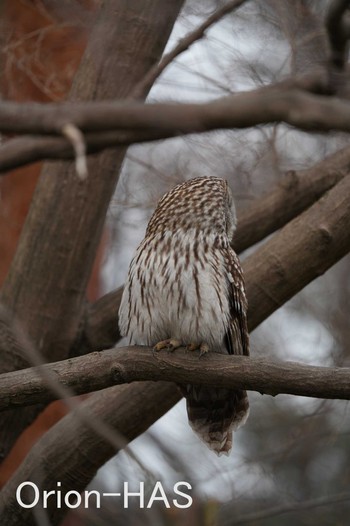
[303, 250]
[124, 124]
[129, 364]
[99, 326]
[276, 103]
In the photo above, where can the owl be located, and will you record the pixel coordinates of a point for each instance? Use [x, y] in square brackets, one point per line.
[185, 288]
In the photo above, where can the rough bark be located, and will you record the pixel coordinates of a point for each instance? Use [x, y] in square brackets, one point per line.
[104, 369]
[48, 277]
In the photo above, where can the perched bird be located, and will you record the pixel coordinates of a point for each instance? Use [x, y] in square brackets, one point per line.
[185, 287]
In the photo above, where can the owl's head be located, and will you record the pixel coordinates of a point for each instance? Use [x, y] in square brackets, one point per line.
[204, 204]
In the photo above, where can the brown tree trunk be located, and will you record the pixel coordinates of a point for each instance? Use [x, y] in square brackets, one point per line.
[41, 55]
[46, 286]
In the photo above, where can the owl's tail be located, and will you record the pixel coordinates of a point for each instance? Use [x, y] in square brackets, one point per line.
[215, 413]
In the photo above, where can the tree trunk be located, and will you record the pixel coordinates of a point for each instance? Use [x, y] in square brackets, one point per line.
[46, 286]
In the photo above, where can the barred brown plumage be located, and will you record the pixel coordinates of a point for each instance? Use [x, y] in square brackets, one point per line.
[185, 287]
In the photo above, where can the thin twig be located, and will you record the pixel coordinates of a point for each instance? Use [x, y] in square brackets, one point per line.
[76, 137]
[183, 44]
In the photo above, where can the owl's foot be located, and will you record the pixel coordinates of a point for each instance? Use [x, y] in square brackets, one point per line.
[203, 348]
[169, 345]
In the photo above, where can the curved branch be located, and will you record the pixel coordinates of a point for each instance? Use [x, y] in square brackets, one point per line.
[129, 364]
[182, 45]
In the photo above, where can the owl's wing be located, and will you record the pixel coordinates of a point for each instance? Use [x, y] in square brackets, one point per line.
[237, 336]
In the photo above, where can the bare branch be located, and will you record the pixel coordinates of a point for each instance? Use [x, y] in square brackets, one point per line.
[99, 370]
[99, 327]
[75, 136]
[183, 45]
[303, 250]
[276, 103]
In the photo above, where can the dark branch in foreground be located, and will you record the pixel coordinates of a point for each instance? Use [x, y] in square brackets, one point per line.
[282, 102]
[118, 366]
[127, 123]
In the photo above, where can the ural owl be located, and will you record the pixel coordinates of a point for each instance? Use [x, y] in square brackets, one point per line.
[185, 287]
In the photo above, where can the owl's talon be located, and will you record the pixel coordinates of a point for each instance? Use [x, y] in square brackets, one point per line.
[192, 347]
[202, 347]
[169, 345]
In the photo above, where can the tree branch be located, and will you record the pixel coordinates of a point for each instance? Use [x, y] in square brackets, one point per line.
[303, 250]
[129, 364]
[275, 103]
[183, 44]
[128, 123]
